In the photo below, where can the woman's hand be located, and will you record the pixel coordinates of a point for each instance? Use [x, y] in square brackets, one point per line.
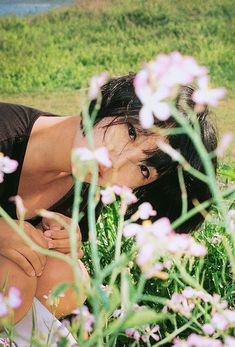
[58, 237]
[13, 247]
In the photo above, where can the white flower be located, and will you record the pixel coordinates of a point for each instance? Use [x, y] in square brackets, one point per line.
[125, 193]
[96, 83]
[7, 166]
[100, 155]
[206, 96]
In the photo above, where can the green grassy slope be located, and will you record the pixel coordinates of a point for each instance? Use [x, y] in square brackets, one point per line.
[64, 48]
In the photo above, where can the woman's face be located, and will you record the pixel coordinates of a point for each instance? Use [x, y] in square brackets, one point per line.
[125, 146]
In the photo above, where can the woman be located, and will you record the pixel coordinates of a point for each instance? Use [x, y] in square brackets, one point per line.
[42, 144]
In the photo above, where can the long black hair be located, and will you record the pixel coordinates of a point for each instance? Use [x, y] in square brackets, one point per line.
[120, 102]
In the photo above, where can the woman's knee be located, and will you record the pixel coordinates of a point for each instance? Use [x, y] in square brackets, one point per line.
[12, 275]
[56, 272]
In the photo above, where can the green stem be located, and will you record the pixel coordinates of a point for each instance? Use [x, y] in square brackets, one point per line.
[118, 246]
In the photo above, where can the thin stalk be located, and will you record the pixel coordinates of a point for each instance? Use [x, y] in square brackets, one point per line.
[183, 191]
[118, 246]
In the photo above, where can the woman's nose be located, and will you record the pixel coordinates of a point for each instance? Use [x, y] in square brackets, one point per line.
[125, 157]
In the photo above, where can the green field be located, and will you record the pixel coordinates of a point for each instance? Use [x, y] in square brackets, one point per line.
[64, 48]
[46, 58]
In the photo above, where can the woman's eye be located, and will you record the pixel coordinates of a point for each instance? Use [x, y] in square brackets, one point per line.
[145, 171]
[132, 132]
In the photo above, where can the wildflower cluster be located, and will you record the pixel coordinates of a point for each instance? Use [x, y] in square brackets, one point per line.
[156, 240]
[195, 340]
[160, 79]
[108, 195]
[142, 333]
[84, 317]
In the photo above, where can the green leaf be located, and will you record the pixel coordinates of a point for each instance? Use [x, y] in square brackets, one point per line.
[227, 171]
[142, 317]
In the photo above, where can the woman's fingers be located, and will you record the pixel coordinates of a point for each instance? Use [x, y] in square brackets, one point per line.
[54, 234]
[21, 261]
[68, 252]
[65, 243]
[33, 258]
[61, 234]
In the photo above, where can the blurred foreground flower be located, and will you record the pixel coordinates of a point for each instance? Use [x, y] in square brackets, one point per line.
[160, 80]
[11, 301]
[83, 160]
[224, 143]
[195, 340]
[108, 195]
[101, 155]
[206, 96]
[156, 240]
[145, 210]
[83, 315]
[96, 83]
[5, 342]
[7, 166]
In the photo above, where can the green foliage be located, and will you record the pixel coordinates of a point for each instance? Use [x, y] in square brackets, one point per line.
[63, 49]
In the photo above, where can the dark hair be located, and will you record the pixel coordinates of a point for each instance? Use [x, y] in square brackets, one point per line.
[120, 102]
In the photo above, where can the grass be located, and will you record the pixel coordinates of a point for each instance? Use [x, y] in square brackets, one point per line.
[61, 50]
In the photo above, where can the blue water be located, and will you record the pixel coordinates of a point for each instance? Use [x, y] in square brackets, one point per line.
[25, 7]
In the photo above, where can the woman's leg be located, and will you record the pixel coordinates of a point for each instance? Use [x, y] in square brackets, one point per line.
[17, 277]
[55, 272]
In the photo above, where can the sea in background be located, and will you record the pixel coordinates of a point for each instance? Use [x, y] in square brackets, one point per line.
[26, 7]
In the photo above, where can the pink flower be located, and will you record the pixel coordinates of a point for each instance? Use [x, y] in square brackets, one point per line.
[3, 306]
[208, 329]
[134, 333]
[178, 303]
[5, 342]
[205, 96]
[14, 298]
[151, 333]
[96, 83]
[231, 220]
[229, 341]
[87, 318]
[157, 81]
[153, 104]
[127, 196]
[99, 154]
[188, 292]
[7, 166]
[224, 143]
[108, 195]
[195, 340]
[131, 230]
[125, 193]
[145, 210]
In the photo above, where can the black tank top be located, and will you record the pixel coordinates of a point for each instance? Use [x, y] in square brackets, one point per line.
[16, 123]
